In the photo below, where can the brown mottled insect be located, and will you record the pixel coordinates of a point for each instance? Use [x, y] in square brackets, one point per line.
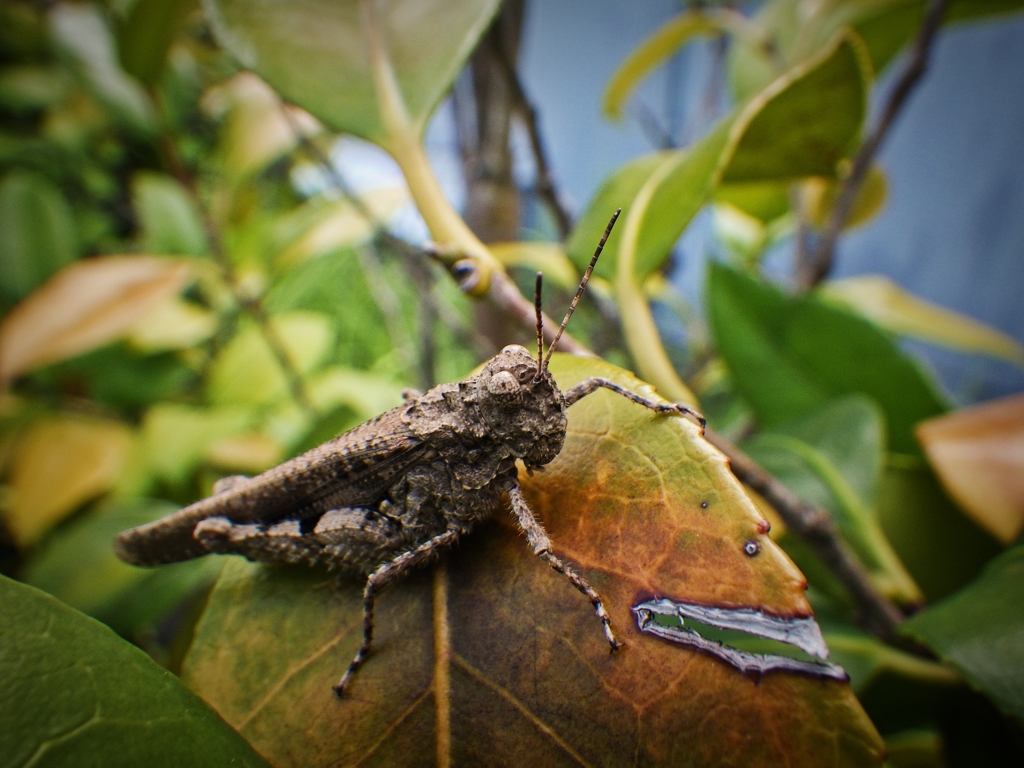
[392, 493]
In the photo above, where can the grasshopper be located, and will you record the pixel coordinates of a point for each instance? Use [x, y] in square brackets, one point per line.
[393, 493]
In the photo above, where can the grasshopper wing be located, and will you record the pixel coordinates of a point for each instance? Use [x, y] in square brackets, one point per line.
[352, 470]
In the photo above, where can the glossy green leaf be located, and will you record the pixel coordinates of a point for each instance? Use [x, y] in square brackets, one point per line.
[834, 458]
[762, 200]
[77, 565]
[868, 660]
[39, 233]
[168, 219]
[789, 355]
[493, 654]
[76, 694]
[805, 122]
[980, 630]
[941, 547]
[317, 54]
[146, 35]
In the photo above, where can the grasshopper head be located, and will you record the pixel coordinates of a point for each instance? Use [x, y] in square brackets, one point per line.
[522, 406]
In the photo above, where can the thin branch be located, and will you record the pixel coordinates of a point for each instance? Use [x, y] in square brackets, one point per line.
[545, 185]
[819, 265]
[253, 306]
[814, 525]
[657, 135]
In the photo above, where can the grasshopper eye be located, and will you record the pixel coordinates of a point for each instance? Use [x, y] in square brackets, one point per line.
[502, 383]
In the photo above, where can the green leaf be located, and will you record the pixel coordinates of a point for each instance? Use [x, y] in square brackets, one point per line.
[39, 234]
[980, 630]
[317, 54]
[941, 547]
[82, 35]
[176, 437]
[494, 654]
[834, 458]
[167, 215]
[76, 694]
[880, 299]
[28, 88]
[247, 372]
[886, 27]
[663, 43]
[789, 355]
[805, 122]
[147, 33]
[77, 566]
[117, 376]
[867, 659]
[765, 201]
[617, 191]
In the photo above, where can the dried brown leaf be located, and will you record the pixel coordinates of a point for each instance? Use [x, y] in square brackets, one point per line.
[87, 304]
[978, 454]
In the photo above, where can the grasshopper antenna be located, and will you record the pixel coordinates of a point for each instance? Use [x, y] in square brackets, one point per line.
[583, 286]
[540, 324]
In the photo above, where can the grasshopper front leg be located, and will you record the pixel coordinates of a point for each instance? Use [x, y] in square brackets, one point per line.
[541, 545]
[591, 385]
[380, 579]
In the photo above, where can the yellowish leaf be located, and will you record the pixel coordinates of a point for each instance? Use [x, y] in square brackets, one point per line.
[172, 324]
[249, 453]
[549, 258]
[665, 42]
[819, 197]
[87, 304]
[260, 128]
[176, 437]
[885, 303]
[247, 370]
[60, 463]
[978, 454]
[344, 225]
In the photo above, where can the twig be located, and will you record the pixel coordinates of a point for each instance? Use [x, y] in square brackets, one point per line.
[648, 122]
[820, 264]
[814, 525]
[253, 306]
[545, 185]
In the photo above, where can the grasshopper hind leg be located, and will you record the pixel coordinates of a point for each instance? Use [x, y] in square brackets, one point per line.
[345, 538]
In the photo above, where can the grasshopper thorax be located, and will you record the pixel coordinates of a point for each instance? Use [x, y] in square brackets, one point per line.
[521, 406]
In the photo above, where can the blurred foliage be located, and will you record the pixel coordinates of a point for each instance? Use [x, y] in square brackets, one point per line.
[181, 303]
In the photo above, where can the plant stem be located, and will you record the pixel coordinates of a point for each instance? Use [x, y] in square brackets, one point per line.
[642, 337]
[446, 226]
[815, 269]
